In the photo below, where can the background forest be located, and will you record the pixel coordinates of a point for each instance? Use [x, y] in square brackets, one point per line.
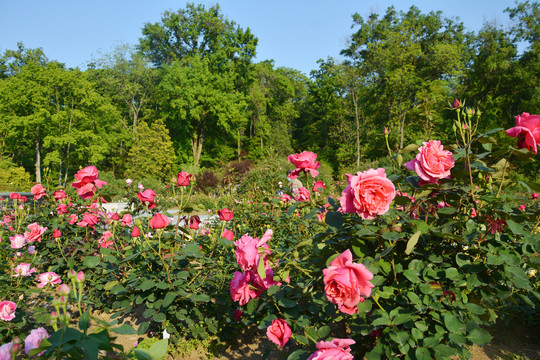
[190, 97]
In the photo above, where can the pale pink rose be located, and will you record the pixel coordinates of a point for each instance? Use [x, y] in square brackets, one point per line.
[347, 283]
[432, 162]
[303, 194]
[38, 191]
[247, 250]
[141, 187]
[369, 194]
[47, 278]
[18, 241]
[279, 332]
[527, 130]
[7, 310]
[35, 232]
[337, 349]
[104, 242]
[127, 219]
[23, 269]
[6, 352]
[305, 161]
[129, 182]
[33, 340]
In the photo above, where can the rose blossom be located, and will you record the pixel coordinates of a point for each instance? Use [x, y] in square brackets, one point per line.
[135, 232]
[432, 162]
[368, 194]
[194, 222]
[33, 341]
[59, 195]
[89, 219]
[129, 182]
[18, 241]
[183, 178]
[72, 219]
[35, 232]
[23, 269]
[347, 283]
[247, 250]
[87, 181]
[62, 209]
[279, 332]
[225, 214]
[305, 161]
[285, 198]
[337, 349]
[159, 221]
[227, 234]
[318, 186]
[242, 289]
[38, 191]
[535, 196]
[303, 194]
[47, 278]
[14, 196]
[527, 130]
[147, 196]
[127, 219]
[238, 314]
[7, 310]
[104, 242]
[7, 350]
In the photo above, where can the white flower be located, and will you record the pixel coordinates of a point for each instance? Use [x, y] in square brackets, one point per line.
[166, 335]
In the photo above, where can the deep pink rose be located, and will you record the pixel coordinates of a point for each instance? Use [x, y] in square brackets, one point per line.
[318, 186]
[303, 194]
[285, 198]
[527, 130]
[35, 232]
[279, 332]
[73, 219]
[23, 269]
[62, 209]
[227, 234]
[183, 178]
[159, 221]
[305, 161]
[47, 278]
[432, 162]
[15, 196]
[194, 222]
[456, 104]
[369, 194]
[238, 314]
[337, 349]
[59, 195]
[33, 340]
[247, 250]
[104, 241]
[87, 175]
[127, 219]
[18, 241]
[135, 232]
[347, 283]
[89, 219]
[241, 287]
[534, 196]
[7, 310]
[87, 181]
[147, 196]
[225, 214]
[38, 191]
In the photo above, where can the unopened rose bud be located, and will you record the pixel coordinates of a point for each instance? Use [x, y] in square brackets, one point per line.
[21, 296]
[63, 289]
[469, 111]
[15, 347]
[71, 274]
[457, 104]
[386, 132]
[81, 277]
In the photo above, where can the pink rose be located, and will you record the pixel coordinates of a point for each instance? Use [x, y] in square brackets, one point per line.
[127, 219]
[18, 241]
[238, 314]
[7, 310]
[522, 207]
[279, 332]
[33, 341]
[35, 232]
[318, 186]
[227, 234]
[87, 181]
[104, 241]
[147, 197]
[457, 104]
[59, 195]
[15, 196]
[62, 209]
[7, 351]
[369, 194]
[23, 269]
[38, 191]
[527, 130]
[303, 194]
[247, 250]
[159, 221]
[183, 178]
[73, 219]
[241, 287]
[47, 278]
[89, 219]
[535, 196]
[432, 162]
[225, 214]
[285, 198]
[135, 232]
[337, 349]
[305, 161]
[347, 283]
[194, 222]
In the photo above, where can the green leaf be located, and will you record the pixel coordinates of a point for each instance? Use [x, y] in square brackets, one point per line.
[146, 285]
[298, 355]
[515, 227]
[91, 261]
[411, 275]
[453, 324]
[273, 289]
[446, 210]
[400, 336]
[412, 242]
[169, 298]
[334, 219]
[192, 250]
[302, 339]
[84, 321]
[158, 350]
[143, 327]
[160, 317]
[422, 353]
[479, 337]
[261, 270]
[323, 331]
[286, 303]
[453, 274]
[384, 320]
[124, 329]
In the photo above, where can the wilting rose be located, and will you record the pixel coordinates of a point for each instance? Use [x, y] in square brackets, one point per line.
[337, 349]
[303, 194]
[159, 221]
[47, 278]
[183, 178]
[194, 222]
[7, 310]
[318, 186]
[127, 219]
[35, 232]
[147, 196]
[432, 162]
[347, 283]
[18, 241]
[247, 250]
[369, 194]
[38, 191]
[305, 161]
[33, 340]
[227, 234]
[527, 130]
[225, 214]
[279, 332]
[23, 269]
[135, 232]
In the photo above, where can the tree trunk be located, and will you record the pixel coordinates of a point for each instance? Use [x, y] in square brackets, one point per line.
[38, 162]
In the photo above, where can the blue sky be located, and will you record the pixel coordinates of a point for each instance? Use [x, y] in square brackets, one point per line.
[295, 33]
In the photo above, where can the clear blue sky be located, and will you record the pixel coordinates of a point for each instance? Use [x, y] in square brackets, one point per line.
[295, 33]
